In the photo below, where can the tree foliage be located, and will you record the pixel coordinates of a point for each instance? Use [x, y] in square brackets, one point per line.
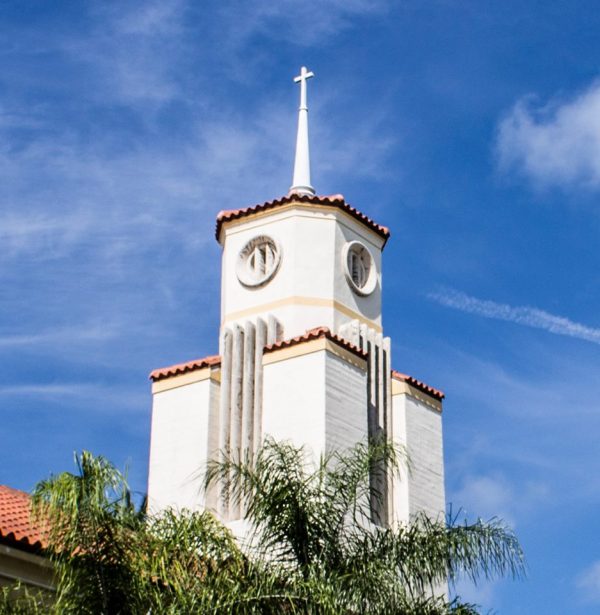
[314, 521]
[311, 546]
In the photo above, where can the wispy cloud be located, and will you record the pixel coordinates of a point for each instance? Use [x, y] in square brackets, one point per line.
[96, 332]
[482, 593]
[47, 390]
[588, 582]
[118, 172]
[306, 23]
[40, 232]
[554, 144]
[528, 316]
[100, 398]
[493, 495]
[74, 180]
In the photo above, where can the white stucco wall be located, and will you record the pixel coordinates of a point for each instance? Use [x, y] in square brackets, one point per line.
[34, 571]
[425, 447]
[418, 426]
[400, 487]
[294, 400]
[179, 444]
[311, 268]
[316, 399]
[346, 404]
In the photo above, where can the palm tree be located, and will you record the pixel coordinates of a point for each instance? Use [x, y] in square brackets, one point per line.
[313, 547]
[112, 558]
[92, 524]
[312, 523]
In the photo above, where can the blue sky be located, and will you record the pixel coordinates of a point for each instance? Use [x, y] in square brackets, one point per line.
[471, 129]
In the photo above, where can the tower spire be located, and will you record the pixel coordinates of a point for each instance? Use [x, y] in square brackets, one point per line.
[301, 182]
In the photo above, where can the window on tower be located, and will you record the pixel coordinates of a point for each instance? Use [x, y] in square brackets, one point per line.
[258, 261]
[359, 267]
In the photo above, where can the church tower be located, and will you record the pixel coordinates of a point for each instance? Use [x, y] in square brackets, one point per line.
[302, 355]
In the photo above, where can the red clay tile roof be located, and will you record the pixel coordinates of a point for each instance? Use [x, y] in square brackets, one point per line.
[311, 334]
[182, 368]
[16, 525]
[335, 200]
[314, 334]
[421, 386]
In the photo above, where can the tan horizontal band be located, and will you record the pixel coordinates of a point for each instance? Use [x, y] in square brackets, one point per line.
[403, 388]
[304, 348]
[196, 375]
[304, 301]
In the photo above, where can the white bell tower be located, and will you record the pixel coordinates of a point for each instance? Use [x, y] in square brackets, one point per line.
[306, 260]
[302, 355]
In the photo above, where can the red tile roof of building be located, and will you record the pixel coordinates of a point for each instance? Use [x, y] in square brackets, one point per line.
[313, 334]
[182, 368]
[17, 527]
[421, 386]
[335, 200]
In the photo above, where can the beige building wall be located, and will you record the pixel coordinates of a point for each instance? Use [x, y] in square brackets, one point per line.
[312, 392]
[32, 570]
[315, 395]
[184, 416]
[309, 289]
[417, 425]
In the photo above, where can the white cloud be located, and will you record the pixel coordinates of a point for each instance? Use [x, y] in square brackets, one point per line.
[47, 390]
[63, 191]
[482, 593]
[557, 144]
[589, 583]
[40, 232]
[63, 336]
[99, 398]
[492, 495]
[102, 194]
[132, 51]
[528, 316]
[71, 191]
[487, 497]
[306, 23]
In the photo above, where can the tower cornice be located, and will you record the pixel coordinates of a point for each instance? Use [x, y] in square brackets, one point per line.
[334, 201]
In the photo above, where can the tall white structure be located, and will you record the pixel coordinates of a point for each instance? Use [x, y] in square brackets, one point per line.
[302, 354]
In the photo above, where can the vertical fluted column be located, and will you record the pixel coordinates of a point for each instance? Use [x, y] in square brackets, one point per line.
[240, 409]
[224, 416]
[388, 425]
[237, 380]
[248, 391]
[380, 382]
[272, 330]
[247, 397]
[372, 363]
[351, 332]
[378, 407]
[260, 342]
[382, 470]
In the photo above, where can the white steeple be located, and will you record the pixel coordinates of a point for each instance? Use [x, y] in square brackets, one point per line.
[301, 183]
[302, 358]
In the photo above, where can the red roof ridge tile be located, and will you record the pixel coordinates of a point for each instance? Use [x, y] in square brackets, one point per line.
[334, 200]
[313, 334]
[421, 386]
[183, 368]
[309, 335]
[17, 527]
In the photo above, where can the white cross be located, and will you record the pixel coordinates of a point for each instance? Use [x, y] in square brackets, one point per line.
[301, 78]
